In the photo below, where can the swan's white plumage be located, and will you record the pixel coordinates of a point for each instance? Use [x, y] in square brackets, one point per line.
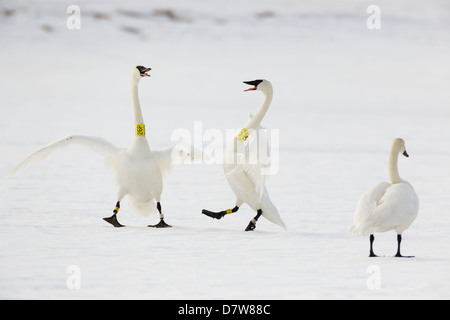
[245, 172]
[176, 154]
[387, 206]
[138, 171]
[247, 159]
[138, 177]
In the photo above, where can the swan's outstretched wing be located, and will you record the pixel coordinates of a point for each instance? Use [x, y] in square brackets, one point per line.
[98, 145]
[176, 154]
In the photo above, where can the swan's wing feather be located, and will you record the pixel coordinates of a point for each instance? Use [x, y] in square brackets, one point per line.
[248, 184]
[96, 144]
[364, 213]
[164, 160]
[256, 156]
[176, 154]
[397, 208]
[253, 172]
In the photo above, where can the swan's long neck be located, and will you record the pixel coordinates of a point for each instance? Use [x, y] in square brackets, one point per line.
[140, 143]
[254, 122]
[138, 119]
[393, 166]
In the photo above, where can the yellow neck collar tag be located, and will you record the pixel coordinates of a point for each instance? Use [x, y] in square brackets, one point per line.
[243, 135]
[140, 130]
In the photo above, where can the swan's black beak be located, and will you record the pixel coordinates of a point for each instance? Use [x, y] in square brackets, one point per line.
[406, 154]
[253, 83]
[143, 71]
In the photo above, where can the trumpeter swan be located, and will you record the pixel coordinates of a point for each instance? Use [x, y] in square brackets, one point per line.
[387, 206]
[138, 171]
[246, 179]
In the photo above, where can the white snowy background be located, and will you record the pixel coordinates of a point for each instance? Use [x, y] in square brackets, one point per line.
[342, 93]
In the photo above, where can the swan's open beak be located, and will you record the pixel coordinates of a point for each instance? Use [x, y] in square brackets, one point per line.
[406, 154]
[144, 72]
[252, 83]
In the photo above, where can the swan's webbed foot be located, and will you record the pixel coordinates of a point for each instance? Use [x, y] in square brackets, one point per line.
[214, 215]
[399, 241]
[252, 225]
[113, 220]
[398, 255]
[161, 224]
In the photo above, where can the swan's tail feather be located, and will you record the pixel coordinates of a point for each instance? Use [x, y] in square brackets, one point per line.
[355, 230]
[270, 212]
[143, 209]
[98, 145]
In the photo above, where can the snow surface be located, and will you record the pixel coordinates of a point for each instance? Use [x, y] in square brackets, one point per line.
[342, 93]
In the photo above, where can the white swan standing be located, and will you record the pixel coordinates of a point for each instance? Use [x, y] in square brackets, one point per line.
[138, 171]
[246, 179]
[387, 206]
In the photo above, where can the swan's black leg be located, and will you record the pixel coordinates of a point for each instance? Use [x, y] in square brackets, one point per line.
[399, 241]
[113, 219]
[252, 225]
[162, 223]
[221, 214]
[372, 238]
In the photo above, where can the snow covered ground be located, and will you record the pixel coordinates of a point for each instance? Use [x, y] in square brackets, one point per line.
[342, 93]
